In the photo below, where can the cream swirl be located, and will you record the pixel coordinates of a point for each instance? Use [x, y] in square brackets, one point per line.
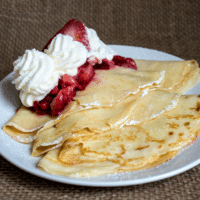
[35, 76]
[67, 54]
[98, 48]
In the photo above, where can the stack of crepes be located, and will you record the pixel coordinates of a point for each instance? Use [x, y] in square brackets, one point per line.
[124, 120]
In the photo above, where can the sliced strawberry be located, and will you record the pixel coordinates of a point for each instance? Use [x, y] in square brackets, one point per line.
[68, 93]
[105, 65]
[124, 62]
[85, 74]
[63, 98]
[45, 103]
[54, 91]
[68, 80]
[76, 30]
[38, 109]
[119, 60]
[57, 104]
[132, 62]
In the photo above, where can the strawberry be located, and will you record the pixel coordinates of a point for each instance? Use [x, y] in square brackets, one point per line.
[105, 65]
[68, 94]
[45, 103]
[132, 62]
[119, 60]
[124, 62]
[85, 74]
[76, 30]
[57, 104]
[38, 109]
[63, 98]
[68, 80]
[54, 91]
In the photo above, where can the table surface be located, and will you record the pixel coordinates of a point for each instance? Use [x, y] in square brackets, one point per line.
[166, 25]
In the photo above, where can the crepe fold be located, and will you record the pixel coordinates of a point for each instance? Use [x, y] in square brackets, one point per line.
[24, 125]
[88, 153]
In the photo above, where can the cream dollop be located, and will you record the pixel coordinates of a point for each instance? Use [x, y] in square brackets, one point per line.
[98, 48]
[35, 76]
[67, 54]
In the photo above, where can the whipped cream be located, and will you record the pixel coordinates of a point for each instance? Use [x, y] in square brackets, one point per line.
[67, 54]
[35, 76]
[37, 73]
[98, 48]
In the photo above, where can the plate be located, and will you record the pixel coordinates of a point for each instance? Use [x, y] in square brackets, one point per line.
[19, 154]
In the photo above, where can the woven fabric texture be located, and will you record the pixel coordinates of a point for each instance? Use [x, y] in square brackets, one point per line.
[166, 25]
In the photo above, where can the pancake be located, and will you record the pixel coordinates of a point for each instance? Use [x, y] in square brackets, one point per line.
[86, 153]
[134, 109]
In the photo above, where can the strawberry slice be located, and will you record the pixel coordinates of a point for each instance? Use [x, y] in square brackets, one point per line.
[119, 60]
[36, 107]
[63, 98]
[124, 62]
[76, 30]
[105, 65]
[57, 104]
[68, 80]
[45, 103]
[68, 93]
[42, 107]
[131, 62]
[85, 74]
[54, 91]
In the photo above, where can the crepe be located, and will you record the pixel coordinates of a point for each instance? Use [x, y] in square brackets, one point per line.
[124, 120]
[25, 124]
[107, 88]
[132, 110]
[86, 153]
[180, 76]
[111, 86]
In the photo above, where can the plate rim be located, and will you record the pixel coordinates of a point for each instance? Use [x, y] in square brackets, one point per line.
[75, 181]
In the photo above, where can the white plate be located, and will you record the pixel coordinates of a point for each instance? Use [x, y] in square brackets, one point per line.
[19, 154]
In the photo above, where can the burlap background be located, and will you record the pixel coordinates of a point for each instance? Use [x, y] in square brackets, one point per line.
[165, 25]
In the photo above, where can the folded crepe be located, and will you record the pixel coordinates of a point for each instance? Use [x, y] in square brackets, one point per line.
[112, 86]
[134, 109]
[180, 76]
[24, 125]
[87, 153]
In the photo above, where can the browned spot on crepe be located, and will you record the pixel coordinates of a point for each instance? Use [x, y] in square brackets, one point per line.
[173, 125]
